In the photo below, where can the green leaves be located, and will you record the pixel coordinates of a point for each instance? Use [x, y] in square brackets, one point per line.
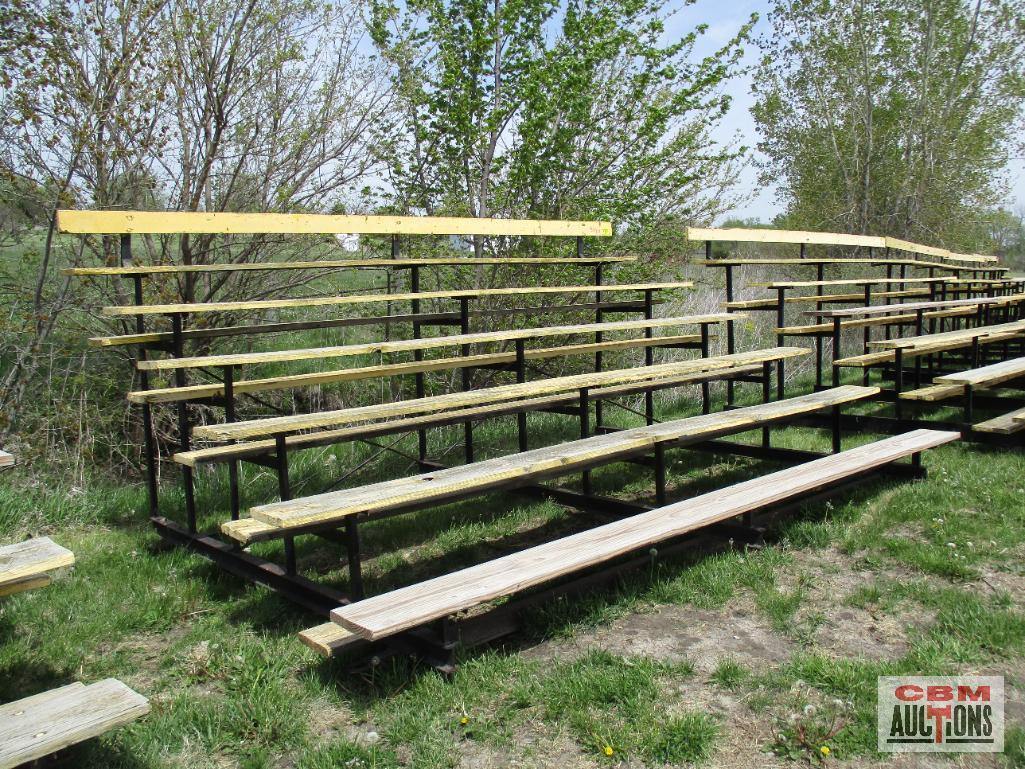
[892, 117]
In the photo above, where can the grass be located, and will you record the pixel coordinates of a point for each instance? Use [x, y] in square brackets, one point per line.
[231, 686]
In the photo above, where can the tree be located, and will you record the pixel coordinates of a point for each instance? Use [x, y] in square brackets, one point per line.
[173, 104]
[533, 108]
[892, 117]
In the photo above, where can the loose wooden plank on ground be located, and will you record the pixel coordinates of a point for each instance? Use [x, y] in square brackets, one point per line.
[222, 223]
[32, 558]
[6, 459]
[408, 607]
[38, 726]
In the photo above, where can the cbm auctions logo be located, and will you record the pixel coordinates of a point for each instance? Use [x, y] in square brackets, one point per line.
[940, 714]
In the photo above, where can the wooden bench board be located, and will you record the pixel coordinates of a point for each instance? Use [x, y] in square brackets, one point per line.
[881, 309]
[848, 282]
[335, 264]
[334, 301]
[32, 558]
[987, 375]
[887, 320]
[872, 358]
[814, 260]
[933, 393]
[427, 343]
[552, 461]
[226, 223]
[960, 334]
[275, 425]
[245, 449]
[192, 392]
[402, 609]
[1005, 424]
[45, 723]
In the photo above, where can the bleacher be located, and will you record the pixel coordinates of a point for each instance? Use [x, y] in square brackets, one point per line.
[178, 340]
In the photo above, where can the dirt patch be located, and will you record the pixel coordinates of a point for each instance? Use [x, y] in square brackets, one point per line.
[676, 633]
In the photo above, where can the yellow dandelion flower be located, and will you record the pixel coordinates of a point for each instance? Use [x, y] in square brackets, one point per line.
[608, 750]
[824, 750]
[464, 720]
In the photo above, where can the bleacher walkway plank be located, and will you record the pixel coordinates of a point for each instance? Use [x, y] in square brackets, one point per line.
[479, 477]
[257, 428]
[409, 607]
[31, 560]
[37, 726]
[334, 301]
[1005, 424]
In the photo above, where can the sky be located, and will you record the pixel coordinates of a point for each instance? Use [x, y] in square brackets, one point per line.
[724, 18]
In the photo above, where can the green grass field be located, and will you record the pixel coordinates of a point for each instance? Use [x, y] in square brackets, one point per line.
[708, 659]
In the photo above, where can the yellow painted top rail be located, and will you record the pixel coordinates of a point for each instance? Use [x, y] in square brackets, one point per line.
[748, 235]
[182, 222]
[742, 235]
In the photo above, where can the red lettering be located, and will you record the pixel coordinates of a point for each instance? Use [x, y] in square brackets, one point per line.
[967, 693]
[908, 693]
[940, 694]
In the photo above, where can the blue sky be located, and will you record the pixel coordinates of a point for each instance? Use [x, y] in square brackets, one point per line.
[724, 18]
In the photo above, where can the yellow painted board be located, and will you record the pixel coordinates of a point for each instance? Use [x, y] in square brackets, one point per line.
[171, 222]
[333, 264]
[427, 343]
[743, 235]
[332, 301]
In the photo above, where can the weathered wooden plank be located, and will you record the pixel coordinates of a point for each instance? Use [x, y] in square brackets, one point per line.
[427, 343]
[744, 235]
[6, 459]
[333, 301]
[191, 392]
[408, 607]
[32, 558]
[847, 282]
[329, 638]
[21, 585]
[1005, 424]
[337, 264]
[961, 334]
[918, 248]
[886, 320]
[882, 309]
[987, 376]
[469, 480]
[245, 449]
[933, 393]
[275, 425]
[38, 726]
[754, 262]
[222, 223]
